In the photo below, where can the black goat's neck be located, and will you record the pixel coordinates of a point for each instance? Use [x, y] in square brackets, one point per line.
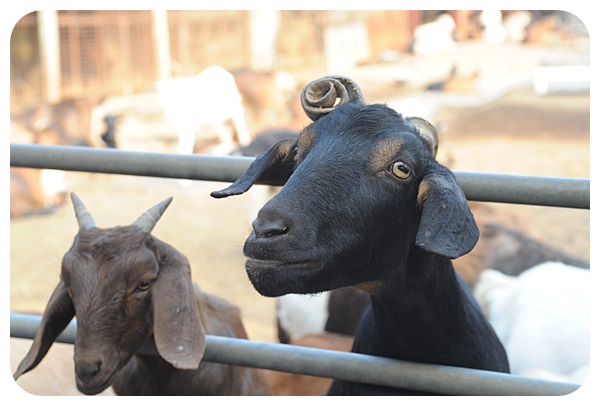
[416, 309]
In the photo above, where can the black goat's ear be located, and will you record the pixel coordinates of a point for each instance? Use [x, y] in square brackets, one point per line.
[59, 312]
[179, 335]
[427, 132]
[447, 226]
[273, 167]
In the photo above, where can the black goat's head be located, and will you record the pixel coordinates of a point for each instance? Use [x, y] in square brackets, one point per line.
[124, 286]
[362, 188]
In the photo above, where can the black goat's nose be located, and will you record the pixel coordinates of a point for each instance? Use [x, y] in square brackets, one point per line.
[269, 228]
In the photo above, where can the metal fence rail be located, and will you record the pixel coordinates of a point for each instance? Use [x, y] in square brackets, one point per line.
[342, 365]
[531, 190]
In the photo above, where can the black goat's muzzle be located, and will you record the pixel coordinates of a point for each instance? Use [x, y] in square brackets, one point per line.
[277, 278]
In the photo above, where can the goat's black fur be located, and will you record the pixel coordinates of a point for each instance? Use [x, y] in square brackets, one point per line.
[343, 219]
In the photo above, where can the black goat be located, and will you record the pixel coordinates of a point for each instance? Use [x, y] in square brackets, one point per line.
[365, 204]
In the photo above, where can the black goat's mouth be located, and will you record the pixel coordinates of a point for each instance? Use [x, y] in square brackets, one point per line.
[275, 265]
[274, 278]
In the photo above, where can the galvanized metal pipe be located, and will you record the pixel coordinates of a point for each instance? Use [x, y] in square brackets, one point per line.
[115, 161]
[531, 190]
[347, 366]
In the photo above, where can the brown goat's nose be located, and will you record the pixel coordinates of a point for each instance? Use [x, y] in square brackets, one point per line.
[86, 370]
[266, 228]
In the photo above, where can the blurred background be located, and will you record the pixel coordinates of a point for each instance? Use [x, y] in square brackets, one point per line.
[507, 90]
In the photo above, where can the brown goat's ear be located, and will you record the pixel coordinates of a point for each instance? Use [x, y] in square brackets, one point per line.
[447, 226]
[59, 312]
[178, 331]
[274, 167]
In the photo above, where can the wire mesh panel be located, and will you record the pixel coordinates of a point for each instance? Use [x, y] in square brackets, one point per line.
[382, 37]
[203, 38]
[26, 78]
[300, 43]
[112, 53]
[106, 53]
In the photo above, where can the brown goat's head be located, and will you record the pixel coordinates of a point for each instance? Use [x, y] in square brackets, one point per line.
[124, 286]
[361, 189]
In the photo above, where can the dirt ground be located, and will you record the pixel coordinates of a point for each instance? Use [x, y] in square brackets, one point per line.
[520, 133]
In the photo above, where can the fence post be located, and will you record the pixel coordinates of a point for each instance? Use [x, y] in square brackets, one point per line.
[50, 52]
[162, 43]
[264, 28]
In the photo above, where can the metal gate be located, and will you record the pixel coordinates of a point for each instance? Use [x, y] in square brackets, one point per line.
[572, 193]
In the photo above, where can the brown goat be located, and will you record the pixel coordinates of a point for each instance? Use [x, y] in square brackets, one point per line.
[127, 289]
[72, 121]
[36, 191]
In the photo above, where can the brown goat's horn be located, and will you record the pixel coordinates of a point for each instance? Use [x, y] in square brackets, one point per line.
[148, 220]
[84, 218]
[323, 95]
[427, 132]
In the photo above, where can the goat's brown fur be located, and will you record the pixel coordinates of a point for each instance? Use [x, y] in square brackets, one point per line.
[128, 289]
[70, 121]
[27, 195]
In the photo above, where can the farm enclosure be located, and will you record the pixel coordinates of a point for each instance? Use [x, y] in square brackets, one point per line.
[502, 136]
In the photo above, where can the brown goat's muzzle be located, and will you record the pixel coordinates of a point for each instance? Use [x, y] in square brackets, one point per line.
[92, 376]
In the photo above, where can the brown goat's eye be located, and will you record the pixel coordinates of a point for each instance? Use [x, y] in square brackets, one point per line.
[400, 170]
[145, 284]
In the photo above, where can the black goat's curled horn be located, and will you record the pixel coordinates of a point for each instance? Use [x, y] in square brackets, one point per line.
[323, 95]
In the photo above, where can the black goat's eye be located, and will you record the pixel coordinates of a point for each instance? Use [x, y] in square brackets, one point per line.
[145, 284]
[400, 170]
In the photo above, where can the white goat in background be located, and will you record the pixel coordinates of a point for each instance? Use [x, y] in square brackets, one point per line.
[208, 100]
[542, 317]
